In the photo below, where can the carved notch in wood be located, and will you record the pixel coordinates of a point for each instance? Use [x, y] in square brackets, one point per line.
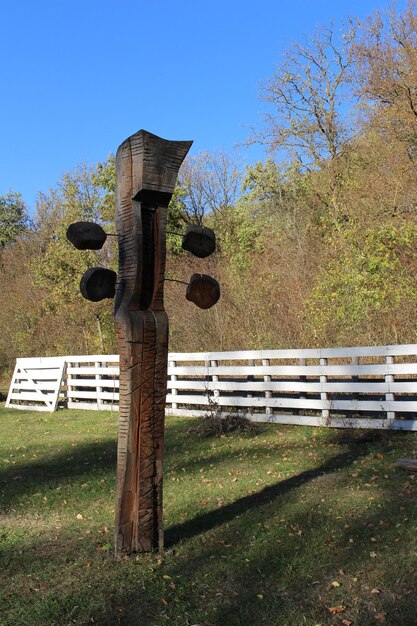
[146, 172]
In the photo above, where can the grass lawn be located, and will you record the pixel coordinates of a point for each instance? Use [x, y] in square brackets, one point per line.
[286, 525]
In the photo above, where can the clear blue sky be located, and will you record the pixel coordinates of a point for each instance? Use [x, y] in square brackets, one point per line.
[79, 76]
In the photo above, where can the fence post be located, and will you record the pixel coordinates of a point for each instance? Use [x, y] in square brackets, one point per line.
[267, 379]
[389, 378]
[174, 392]
[302, 363]
[355, 361]
[215, 379]
[250, 378]
[99, 389]
[325, 413]
[70, 380]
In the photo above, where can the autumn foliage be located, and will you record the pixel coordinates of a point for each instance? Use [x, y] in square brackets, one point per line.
[316, 244]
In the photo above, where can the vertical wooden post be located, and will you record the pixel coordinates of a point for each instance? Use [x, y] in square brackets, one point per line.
[70, 383]
[146, 173]
[389, 378]
[215, 379]
[99, 389]
[174, 391]
[267, 379]
[355, 361]
[325, 413]
[250, 377]
[302, 362]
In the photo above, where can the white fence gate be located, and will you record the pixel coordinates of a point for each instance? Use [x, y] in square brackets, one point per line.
[36, 384]
[365, 387]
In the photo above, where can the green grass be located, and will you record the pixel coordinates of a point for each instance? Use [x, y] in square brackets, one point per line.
[287, 525]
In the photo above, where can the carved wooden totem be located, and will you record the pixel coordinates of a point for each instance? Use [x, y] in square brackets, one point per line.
[146, 173]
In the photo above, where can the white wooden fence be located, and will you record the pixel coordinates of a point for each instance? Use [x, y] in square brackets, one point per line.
[368, 387]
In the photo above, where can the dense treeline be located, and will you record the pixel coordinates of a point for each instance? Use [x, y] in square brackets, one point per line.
[317, 244]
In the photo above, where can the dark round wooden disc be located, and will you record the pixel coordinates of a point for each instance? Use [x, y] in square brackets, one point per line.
[199, 240]
[203, 290]
[86, 235]
[98, 283]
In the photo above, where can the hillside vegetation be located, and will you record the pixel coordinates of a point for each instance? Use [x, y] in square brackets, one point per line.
[317, 243]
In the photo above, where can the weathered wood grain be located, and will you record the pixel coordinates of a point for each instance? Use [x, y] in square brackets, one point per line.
[146, 172]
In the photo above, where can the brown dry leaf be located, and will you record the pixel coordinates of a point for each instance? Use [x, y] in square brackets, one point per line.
[380, 617]
[346, 622]
[375, 590]
[336, 609]
[373, 555]
[79, 516]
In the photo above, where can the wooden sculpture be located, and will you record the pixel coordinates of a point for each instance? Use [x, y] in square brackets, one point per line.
[146, 172]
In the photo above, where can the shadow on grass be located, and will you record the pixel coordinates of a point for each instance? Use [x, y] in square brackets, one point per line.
[296, 576]
[74, 463]
[286, 572]
[206, 521]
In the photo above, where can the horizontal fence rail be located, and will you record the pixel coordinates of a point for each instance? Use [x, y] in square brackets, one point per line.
[370, 387]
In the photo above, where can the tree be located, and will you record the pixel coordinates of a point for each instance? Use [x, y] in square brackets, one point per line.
[308, 93]
[82, 195]
[24, 332]
[386, 53]
[308, 121]
[13, 217]
[366, 290]
[210, 185]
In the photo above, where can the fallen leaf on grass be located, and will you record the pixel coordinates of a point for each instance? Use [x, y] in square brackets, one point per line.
[373, 555]
[380, 617]
[375, 590]
[336, 609]
[346, 622]
[79, 516]
[104, 548]
[335, 584]
[260, 596]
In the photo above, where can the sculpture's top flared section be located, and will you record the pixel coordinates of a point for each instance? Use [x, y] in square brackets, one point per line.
[146, 173]
[154, 164]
